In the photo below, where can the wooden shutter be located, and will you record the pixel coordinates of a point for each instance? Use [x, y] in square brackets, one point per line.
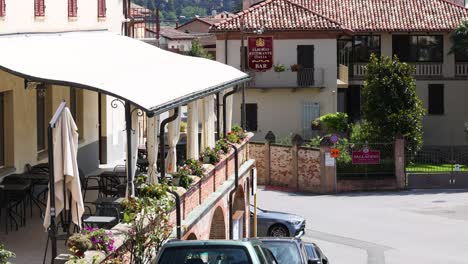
[39, 7]
[101, 8]
[72, 8]
[309, 113]
[2, 8]
[251, 112]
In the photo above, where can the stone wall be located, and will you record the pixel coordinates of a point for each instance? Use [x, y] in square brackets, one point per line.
[281, 165]
[309, 169]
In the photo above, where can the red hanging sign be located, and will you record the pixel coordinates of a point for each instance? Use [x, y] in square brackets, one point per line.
[260, 53]
[366, 156]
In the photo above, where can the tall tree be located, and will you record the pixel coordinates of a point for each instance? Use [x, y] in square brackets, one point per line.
[459, 38]
[391, 106]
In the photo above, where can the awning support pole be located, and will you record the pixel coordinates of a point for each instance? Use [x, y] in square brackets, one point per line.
[233, 91]
[218, 127]
[128, 128]
[178, 214]
[162, 147]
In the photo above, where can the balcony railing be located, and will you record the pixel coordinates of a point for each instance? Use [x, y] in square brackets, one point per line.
[305, 77]
[422, 69]
[428, 69]
[461, 69]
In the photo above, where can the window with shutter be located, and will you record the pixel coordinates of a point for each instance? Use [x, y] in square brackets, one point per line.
[72, 8]
[2, 8]
[101, 8]
[39, 8]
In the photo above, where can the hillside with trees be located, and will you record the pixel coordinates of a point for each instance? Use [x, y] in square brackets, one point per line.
[184, 10]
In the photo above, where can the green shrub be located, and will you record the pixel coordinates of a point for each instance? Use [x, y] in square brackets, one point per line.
[359, 133]
[196, 167]
[332, 123]
[5, 255]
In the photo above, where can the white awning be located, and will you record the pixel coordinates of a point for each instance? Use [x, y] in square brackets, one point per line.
[151, 78]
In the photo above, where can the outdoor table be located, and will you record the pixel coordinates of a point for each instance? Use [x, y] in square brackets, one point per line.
[99, 220]
[113, 203]
[36, 179]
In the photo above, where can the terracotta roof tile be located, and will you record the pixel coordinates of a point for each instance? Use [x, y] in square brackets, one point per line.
[356, 15]
[277, 15]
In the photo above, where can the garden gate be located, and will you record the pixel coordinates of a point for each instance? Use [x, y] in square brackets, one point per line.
[433, 167]
[370, 164]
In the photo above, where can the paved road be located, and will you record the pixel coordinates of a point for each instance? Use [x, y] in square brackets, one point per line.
[382, 228]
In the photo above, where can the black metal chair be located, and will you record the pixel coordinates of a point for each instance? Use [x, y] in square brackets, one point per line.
[85, 180]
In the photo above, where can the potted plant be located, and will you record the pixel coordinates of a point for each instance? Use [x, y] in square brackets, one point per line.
[196, 167]
[279, 67]
[296, 67]
[210, 156]
[239, 131]
[78, 244]
[179, 178]
[5, 255]
[223, 145]
[232, 137]
[100, 239]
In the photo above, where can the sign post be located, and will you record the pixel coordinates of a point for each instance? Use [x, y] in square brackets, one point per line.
[260, 53]
[254, 193]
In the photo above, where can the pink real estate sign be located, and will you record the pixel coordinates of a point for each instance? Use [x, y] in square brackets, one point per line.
[366, 156]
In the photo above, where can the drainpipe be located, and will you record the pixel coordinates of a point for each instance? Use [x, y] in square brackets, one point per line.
[233, 91]
[233, 191]
[178, 214]
[128, 131]
[226, 49]
[162, 147]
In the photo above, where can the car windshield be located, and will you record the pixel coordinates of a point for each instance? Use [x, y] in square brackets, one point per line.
[205, 255]
[285, 252]
[258, 209]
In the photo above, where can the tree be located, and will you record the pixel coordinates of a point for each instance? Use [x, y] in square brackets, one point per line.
[459, 38]
[391, 106]
[197, 50]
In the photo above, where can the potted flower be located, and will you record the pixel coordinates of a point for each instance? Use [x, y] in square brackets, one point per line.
[296, 67]
[5, 255]
[210, 156]
[181, 177]
[196, 167]
[78, 244]
[223, 145]
[239, 131]
[232, 137]
[100, 239]
[279, 67]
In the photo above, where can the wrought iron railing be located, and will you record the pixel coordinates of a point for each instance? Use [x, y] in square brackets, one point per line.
[306, 77]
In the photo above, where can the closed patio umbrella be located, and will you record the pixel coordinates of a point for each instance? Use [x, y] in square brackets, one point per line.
[65, 174]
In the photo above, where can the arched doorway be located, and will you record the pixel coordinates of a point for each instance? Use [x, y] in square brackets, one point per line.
[192, 236]
[239, 215]
[218, 225]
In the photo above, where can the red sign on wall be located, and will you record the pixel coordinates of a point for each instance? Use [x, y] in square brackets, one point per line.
[366, 156]
[260, 53]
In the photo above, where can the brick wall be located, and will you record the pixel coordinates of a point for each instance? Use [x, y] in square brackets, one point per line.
[281, 168]
[309, 170]
[257, 152]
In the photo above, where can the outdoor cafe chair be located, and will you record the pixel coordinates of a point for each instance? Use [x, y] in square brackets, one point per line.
[85, 180]
[19, 191]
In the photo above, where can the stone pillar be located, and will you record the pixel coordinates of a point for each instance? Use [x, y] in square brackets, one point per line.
[328, 181]
[296, 143]
[270, 138]
[400, 162]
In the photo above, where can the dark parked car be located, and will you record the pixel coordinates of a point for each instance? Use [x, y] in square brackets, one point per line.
[277, 224]
[315, 254]
[294, 251]
[248, 251]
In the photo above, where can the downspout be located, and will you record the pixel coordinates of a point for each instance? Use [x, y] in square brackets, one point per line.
[233, 91]
[218, 127]
[233, 191]
[178, 214]
[162, 144]
[162, 149]
[226, 49]
[128, 131]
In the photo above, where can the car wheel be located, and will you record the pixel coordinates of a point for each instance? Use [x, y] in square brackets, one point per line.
[278, 231]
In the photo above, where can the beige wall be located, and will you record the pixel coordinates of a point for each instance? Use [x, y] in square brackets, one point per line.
[280, 109]
[195, 27]
[21, 132]
[20, 17]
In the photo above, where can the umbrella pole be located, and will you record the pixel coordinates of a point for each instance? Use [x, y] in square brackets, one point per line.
[52, 235]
